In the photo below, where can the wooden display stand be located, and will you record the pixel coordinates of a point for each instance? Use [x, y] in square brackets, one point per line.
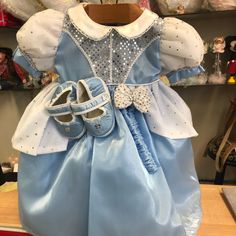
[217, 218]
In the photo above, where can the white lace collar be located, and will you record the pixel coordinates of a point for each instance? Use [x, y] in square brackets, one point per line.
[81, 20]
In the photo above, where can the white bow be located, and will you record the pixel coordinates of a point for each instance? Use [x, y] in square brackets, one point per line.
[139, 97]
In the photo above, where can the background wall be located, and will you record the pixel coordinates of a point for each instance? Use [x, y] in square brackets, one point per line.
[208, 104]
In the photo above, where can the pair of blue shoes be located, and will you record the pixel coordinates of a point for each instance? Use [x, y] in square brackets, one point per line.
[82, 106]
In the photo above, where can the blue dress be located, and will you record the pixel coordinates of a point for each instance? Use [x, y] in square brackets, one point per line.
[140, 179]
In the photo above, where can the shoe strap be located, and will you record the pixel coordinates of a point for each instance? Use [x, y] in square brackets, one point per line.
[59, 110]
[90, 105]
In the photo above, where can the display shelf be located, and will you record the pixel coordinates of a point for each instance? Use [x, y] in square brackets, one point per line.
[206, 14]
[172, 86]
[9, 28]
[20, 89]
[202, 85]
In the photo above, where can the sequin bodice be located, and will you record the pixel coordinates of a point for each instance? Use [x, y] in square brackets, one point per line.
[113, 56]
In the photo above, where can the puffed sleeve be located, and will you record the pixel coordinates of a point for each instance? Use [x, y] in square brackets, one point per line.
[38, 41]
[181, 50]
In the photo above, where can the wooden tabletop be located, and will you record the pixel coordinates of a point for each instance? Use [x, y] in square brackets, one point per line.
[217, 219]
[9, 215]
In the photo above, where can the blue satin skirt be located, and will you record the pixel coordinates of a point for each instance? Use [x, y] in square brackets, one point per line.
[130, 183]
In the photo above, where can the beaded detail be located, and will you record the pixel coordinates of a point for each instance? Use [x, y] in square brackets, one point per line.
[139, 97]
[112, 57]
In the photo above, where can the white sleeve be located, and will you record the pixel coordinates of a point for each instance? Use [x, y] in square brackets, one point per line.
[181, 46]
[39, 37]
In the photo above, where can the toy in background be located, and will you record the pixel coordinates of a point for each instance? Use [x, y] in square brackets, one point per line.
[23, 75]
[13, 76]
[172, 7]
[7, 20]
[31, 83]
[35, 83]
[8, 76]
[169, 7]
[27, 81]
[49, 77]
[231, 65]
[218, 47]
[4, 70]
[220, 5]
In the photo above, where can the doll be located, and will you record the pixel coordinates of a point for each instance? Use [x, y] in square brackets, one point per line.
[4, 72]
[9, 76]
[218, 45]
[5, 68]
[231, 65]
[167, 7]
[218, 48]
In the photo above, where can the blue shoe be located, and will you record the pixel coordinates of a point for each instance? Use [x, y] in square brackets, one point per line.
[59, 108]
[94, 106]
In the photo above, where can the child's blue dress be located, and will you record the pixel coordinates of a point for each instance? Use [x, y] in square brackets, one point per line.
[140, 180]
